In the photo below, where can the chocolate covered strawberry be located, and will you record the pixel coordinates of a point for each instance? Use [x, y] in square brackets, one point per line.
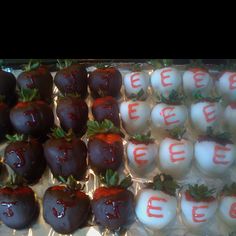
[66, 154]
[71, 78]
[175, 154]
[5, 123]
[169, 113]
[66, 207]
[165, 79]
[113, 206]
[135, 116]
[105, 146]
[105, 81]
[198, 205]
[31, 117]
[135, 81]
[37, 77]
[205, 112]
[18, 206]
[142, 153]
[106, 108]
[230, 116]
[195, 80]
[156, 204]
[214, 153]
[227, 207]
[25, 157]
[72, 113]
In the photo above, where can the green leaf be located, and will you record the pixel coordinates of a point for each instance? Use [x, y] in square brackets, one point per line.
[200, 192]
[15, 137]
[58, 133]
[126, 182]
[143, 137]
[167, 62]
[32, 65]
[106, 126]
[111, 178]
[28, 95]
[173, 98]
[229, 190]
[177, 133]
[137, 96]
[198, 97]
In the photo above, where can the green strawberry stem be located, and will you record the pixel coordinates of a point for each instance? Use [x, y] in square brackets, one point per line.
[32, 65]
[58, 133]
[160, 63]
[165, 183]
[138, 95]
[220, 136]
[200, 192]
[15, 137]
[136, 67]
[106, 126]
[173, 98]
[102, 65]
[111, 179]
[62, 64]
[28, 95]
[143, 137]
[229, 190]
[196, 63]
[198, 97]
[71, 183]
[177, 133]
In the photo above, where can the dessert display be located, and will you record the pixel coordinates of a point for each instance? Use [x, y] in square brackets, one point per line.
[169, 128]
[156, 204]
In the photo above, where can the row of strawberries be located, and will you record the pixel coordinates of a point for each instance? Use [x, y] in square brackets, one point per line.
[105, 151]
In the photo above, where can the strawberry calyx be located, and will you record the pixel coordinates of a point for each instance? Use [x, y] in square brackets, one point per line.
[15, 137]
[229, 190]
[28, 95]
[142, 138]
[177, 133]
[32, 65]
[58, 133]
[71, 183]
[174, 98]
[198, 97]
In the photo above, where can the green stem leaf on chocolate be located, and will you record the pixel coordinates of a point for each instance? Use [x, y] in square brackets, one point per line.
[126, 182]
[200, 192]
[177, 133]
[58, 133]
[106, 126]
[173, 98]
[32, 65]
[61, 64]
[198, 97]
[15, 137]
[143, 137]
[28, 95]
[70, 182]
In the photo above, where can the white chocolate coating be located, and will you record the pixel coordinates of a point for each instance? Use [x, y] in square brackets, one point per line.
[230, 117]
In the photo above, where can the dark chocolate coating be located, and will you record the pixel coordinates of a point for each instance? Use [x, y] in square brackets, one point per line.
[114, 211]
[66, 158]
[32, 118]
[5, 123]
[103, 156]
[26, 158]
[7, 83]
[105, 82]
[106, 109]
[73, 114]
[72, 80]
[40, 79]
[18, 207]
[67, 218]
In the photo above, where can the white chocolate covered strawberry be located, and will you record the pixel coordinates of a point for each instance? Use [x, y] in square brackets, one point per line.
[135, 116]
[230, 116]
[156, 205]
[175, 156]
[142, 153]
[214, 154]
[226, 86]
[198, 205]
[227, 207]
[197, 80]
[170, 113]
[135, 82]
[206, 112]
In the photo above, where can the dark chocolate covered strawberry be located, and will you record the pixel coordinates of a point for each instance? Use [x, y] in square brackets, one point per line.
[8, 87]
[66, 155]
[66, 208]
[37, 77]
[71, 79]
[113, 206]
[106, 108]
[73, 114]
[105, 146]
[5, 123]
[31, 117]
[105, 81]
[25, 157]
[18, 206]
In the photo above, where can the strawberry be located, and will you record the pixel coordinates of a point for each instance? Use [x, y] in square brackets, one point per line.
[175, 154]
[66, 154]
[113, 206]
[106, 108]
[105, 81]
[71, 79]
[37, 77]
[65, 207]
[25, 157]
[156, 204]
[5, 123]
[169, 113]
[105, 146]
[31, 117]
[142, 153]
[73, 114]
[165, 79]
[219, 153]
[198, 205]
[227, 207]
[18, 206]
